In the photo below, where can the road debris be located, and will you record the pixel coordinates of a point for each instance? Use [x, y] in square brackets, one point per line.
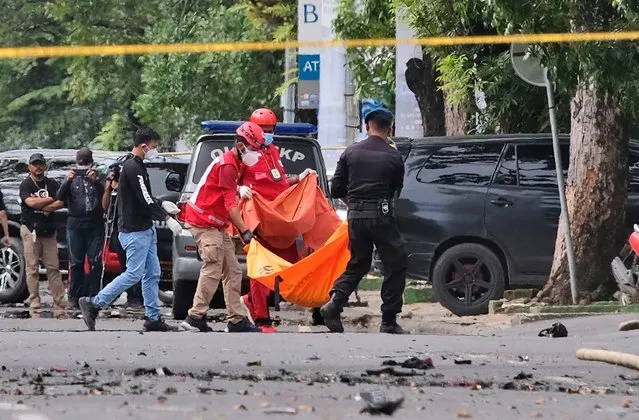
[160, 371]
[392, 372]
[622, 359]
[462, 361]
[412, 363]
[240, 407]
[557, 330]
[378, 403]
[280, 410]
[629, 325]
[523, 375]
[254, 363]
[463, 414]
[207, 391]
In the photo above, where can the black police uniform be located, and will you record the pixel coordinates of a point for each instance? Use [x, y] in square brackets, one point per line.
[371, 175]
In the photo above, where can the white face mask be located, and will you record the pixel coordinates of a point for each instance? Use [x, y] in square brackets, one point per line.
[250, 158]
[151, 154]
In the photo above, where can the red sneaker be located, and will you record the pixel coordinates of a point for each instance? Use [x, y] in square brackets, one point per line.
[268, 329]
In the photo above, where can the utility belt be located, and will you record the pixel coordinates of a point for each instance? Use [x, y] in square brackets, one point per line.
[383, 209]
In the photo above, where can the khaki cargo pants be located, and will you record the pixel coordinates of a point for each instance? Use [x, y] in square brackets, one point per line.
[47, 250]
[219, 262]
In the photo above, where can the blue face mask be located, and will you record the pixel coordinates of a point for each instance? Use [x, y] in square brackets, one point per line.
[268, 138]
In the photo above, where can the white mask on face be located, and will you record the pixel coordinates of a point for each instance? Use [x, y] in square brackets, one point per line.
[250, 158]
[151, 154]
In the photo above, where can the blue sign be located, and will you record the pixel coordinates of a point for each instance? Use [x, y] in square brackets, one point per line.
[309, 66]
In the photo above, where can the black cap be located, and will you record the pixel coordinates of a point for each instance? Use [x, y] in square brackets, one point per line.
[84, 156]
[37, 157]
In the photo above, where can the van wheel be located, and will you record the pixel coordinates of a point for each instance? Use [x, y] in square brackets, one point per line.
[13, 279]
[183, 292]
[166, 296]
[466, 277]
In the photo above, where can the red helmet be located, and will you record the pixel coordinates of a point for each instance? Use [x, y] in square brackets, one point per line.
[252, 134]
[263, 116]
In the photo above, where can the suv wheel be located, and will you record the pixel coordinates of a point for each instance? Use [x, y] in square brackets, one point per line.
[466, 277]
[183, 292]
[13, 281]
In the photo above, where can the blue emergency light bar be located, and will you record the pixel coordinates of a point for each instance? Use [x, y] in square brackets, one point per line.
[281, 129]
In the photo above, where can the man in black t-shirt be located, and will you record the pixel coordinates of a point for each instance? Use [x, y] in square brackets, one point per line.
[134, 299]
[38, 231]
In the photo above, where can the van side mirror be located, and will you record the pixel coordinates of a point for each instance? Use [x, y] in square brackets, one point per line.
[174, 182]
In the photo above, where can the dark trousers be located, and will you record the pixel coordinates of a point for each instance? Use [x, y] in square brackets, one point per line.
[383, 233]
[133, 293]
[85, 243]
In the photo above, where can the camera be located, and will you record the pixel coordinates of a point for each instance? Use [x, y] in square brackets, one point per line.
[114, 172]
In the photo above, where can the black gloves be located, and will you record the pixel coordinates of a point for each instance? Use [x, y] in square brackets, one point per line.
[246, 236]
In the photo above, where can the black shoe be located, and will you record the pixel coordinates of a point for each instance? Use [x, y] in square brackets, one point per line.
[158, 325]
[244, 326]
[332, 318]
[392, 328]
[89, 312]
[318, 319]
[195, 325]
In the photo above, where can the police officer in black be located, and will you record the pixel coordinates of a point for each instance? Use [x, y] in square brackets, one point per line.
[368, 178]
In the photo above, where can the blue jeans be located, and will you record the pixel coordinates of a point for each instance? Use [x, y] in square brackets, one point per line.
[142, 264]
[85, 243]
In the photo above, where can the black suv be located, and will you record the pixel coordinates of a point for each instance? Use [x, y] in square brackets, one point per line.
[480, 213]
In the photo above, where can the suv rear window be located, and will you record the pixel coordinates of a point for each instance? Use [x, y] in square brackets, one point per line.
[296, 156]
[469, 164]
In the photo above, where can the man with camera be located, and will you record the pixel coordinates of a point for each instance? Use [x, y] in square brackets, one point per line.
[82, 193]
[38, 231]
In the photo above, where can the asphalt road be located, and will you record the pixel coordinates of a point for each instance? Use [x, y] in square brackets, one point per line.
[54, 369]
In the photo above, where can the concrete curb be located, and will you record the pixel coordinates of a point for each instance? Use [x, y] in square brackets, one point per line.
[497, 307]
[521, 319]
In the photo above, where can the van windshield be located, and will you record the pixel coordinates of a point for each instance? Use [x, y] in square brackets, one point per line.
[296, 155]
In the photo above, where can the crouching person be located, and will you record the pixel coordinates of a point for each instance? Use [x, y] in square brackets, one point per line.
[137, 209]
[208, 213]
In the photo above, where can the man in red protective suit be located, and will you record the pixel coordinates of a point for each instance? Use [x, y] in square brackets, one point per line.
[267, 178]
[210, 210]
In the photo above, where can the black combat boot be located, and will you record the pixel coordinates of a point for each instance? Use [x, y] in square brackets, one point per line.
[331, 312]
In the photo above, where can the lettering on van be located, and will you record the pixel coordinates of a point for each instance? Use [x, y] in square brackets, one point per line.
[288, 154]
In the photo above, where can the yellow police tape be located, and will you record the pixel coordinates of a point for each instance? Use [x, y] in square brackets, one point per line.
[142, 49]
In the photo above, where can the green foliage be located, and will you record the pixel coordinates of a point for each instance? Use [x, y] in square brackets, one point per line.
[270, 19]
[102, 99]
[373, 69]
[179, 91]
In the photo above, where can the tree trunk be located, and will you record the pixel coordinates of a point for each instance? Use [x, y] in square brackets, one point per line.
[456, 116]
[596, 193]
[421, 79]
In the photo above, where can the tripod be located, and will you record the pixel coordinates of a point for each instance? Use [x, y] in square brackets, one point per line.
[108, 231]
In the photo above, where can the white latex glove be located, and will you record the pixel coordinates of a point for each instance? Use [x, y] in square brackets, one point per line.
[306, 173]
[245, 192]
[174, 225]
[170, 208]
